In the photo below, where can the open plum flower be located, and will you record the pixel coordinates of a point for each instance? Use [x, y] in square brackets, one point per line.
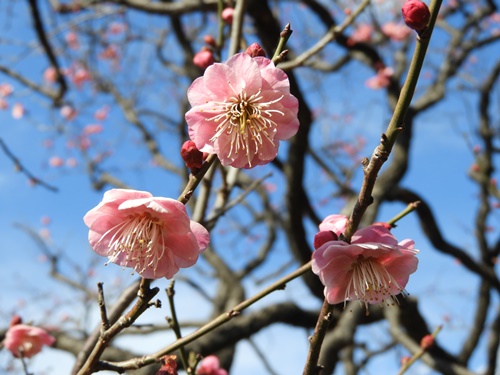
[372, 268]
[152, 235]
[241, 110]
[26, 341]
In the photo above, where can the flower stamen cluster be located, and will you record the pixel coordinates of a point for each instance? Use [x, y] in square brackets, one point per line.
[371, 282]
[245, 119]
[141, 238]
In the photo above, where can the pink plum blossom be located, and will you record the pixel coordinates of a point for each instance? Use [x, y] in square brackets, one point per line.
[3, 104]
[18, 111]
[68, 112]
[92, 129]
[102, 113]
[5, 90]
[381, 80]
[56, 161]
[240, 111]
[117, 28]
[72, 40]
[152, 235]
[362, 34]
[26, 341]
[372, 268]
[210, 366]
[395, 31]
[50, 75]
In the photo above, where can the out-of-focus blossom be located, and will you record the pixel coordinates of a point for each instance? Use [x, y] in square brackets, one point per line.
[362, 34]
[18, 111]
[79, 75]
[227, 15]
[72, 40]
[102, 113]
[152, 235]
[381, 80]
[71, 162]
[416, 14]
[255, 50]
[204, 58]
[241, 110]
[50, 75]
[210, 366]
[26, 341]
[92, 129]
[191, 156]
[68, 112]
[395, 31]
[372, 268]
[3, 104]
[5, 90]
[116, 28]
[56, 161]
[45, 220]
[110, 53]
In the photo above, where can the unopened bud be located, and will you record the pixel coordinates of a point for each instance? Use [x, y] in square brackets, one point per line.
[16, 319]
[169, 365]
[204, 58]
[323, 237]
[192, 156]
[254, 50]
[227, 15]
[210, 40]
[426, 342]
[416, 14]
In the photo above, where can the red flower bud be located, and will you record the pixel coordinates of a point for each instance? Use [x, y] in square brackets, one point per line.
[416, 15]
[254, 50]
[323, 237]
[169, 365]
[426, 342]
[16, 319]
[192, 156]
[210, 40]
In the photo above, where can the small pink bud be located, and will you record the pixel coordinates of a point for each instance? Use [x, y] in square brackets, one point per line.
[323, 237]
[192, 156]
[426, 342]
[227, 15]
[416, 14]
[254, 50]
[204, 58]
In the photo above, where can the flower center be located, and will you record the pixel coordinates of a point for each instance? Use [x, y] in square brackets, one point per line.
[247, 121]
[138, 241]
[372, 283]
